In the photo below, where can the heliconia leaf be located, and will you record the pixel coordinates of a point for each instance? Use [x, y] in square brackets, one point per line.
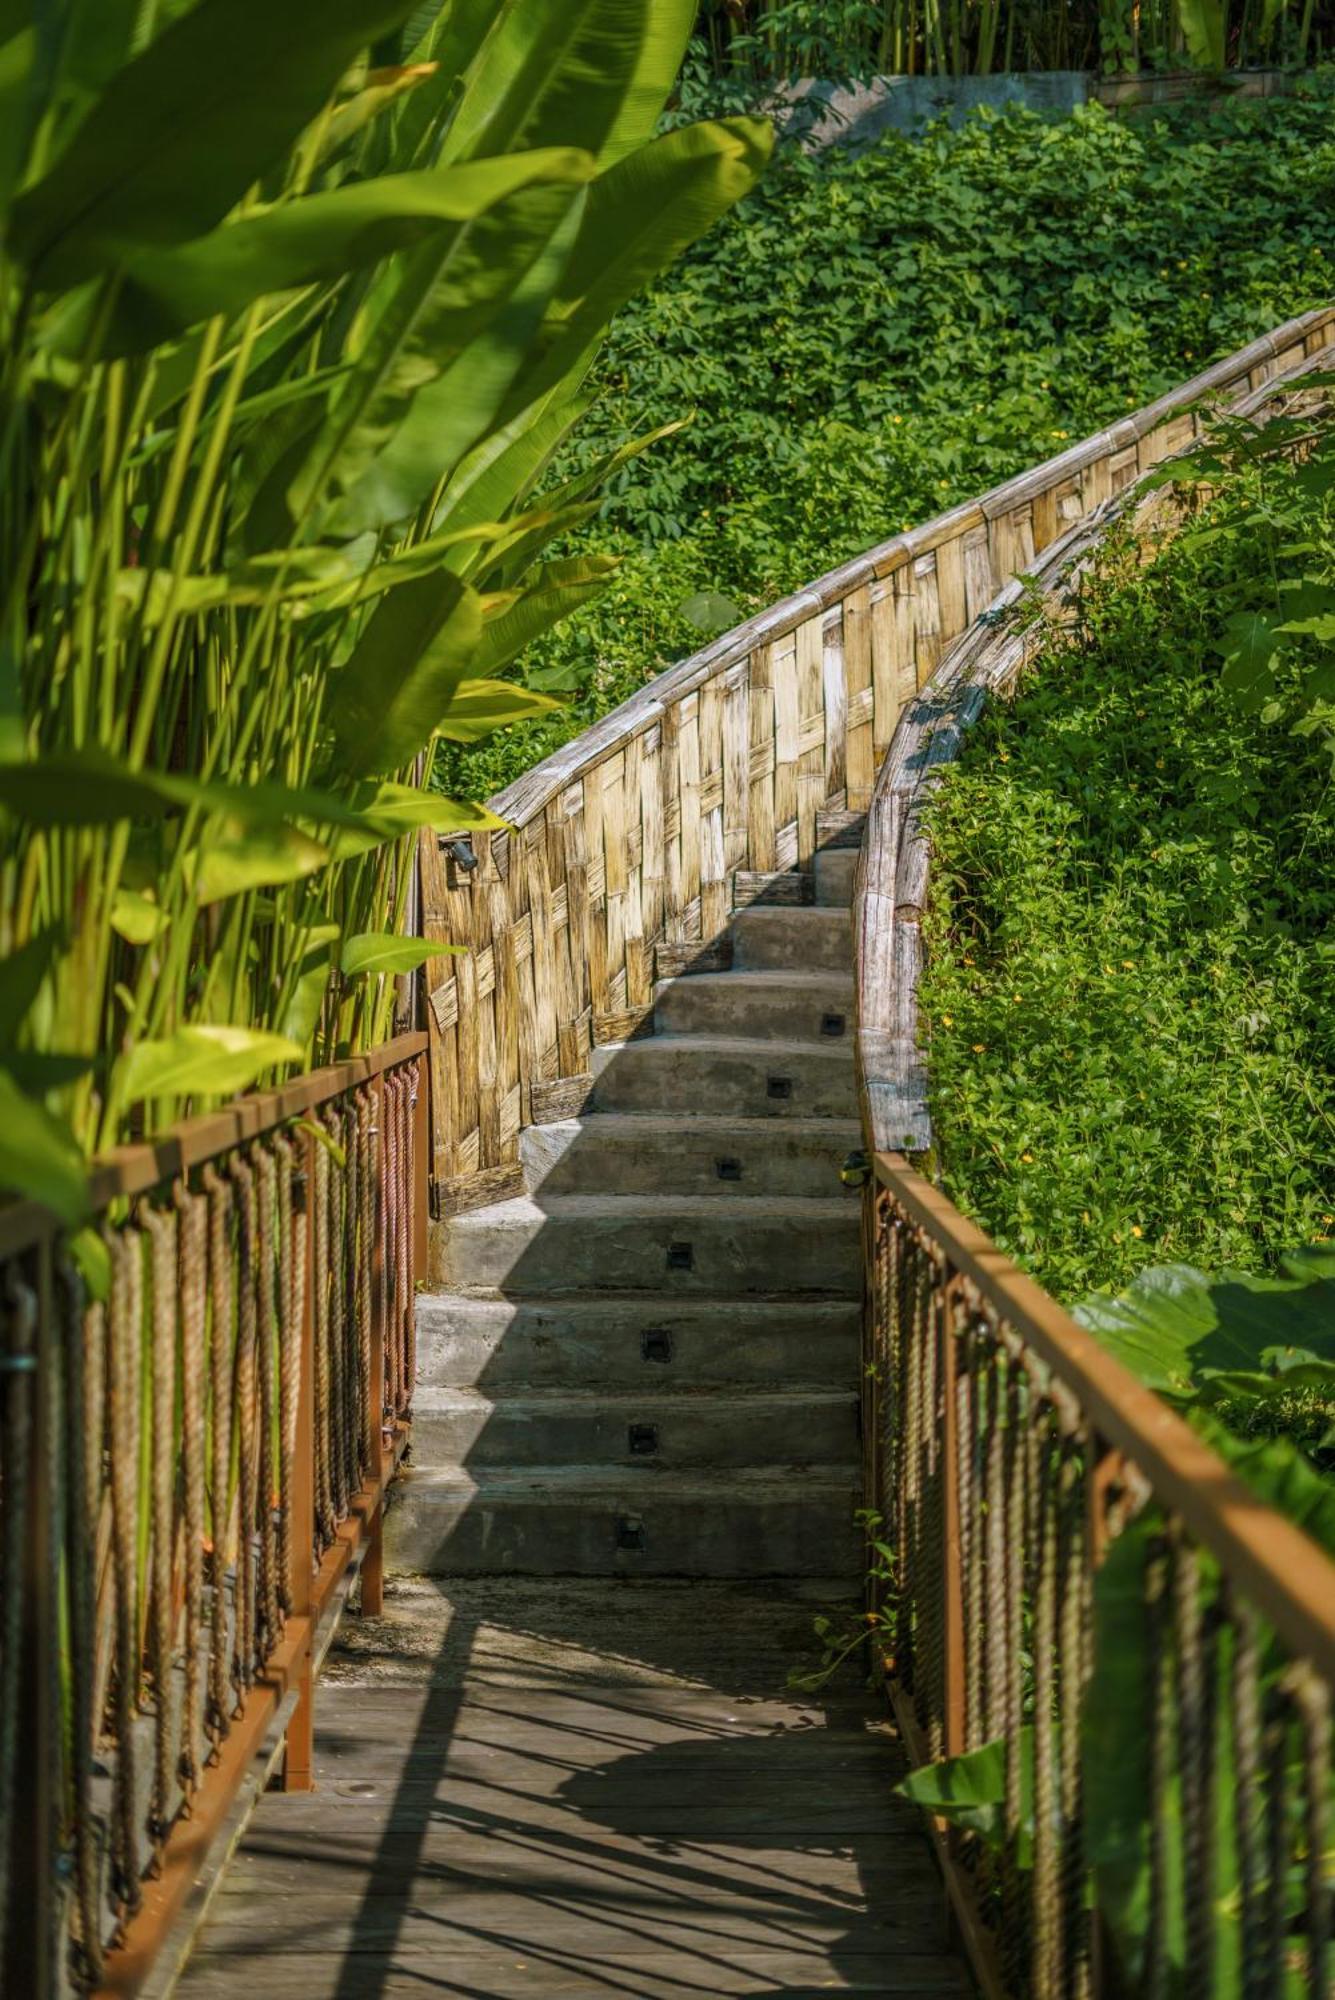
[17, 63]
[256, 858]
[137, 918]
[1204, 24]
[638, 218]
[382, 88]
[22, 973]
[298, 243]
[385, 951]
[479, 707]
[39, 1158]
[509, 461]
[558, 589]
[184, 129]
[387, 700]
[302, 1014]
[202, 1061]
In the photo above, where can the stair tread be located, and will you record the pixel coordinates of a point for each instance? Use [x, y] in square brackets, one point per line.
[745, 1045]
[639, 1125]
[770, 978]
[598, 1398]
[523, 1211]
[733, 1480]
[699, 1304]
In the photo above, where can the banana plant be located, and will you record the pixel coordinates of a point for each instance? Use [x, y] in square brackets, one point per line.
[297, 305]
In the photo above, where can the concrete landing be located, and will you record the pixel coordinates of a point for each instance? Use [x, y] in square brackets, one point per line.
[534, 1791]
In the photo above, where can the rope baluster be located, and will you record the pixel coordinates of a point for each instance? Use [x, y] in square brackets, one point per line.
[324, 1282]
[270, 1621]
[160, 1227]
[192, 1244]
[18, 1380]
[1048, 1955]
[218, 1192]
[248, 1444]
[1311, 1699]
[123, 1406]
[370, 1367]
[291, 1298]
[1193, 1663]
[342, 1335]
[85, 1361]
[1161, 1752]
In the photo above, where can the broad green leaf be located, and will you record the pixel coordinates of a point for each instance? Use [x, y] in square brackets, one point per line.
[1203, 28]
[386, 951]
[1249, 645]
[382, 88]
[710, 611]
[204, 1061]
[507, 464]
[970, 1792]
[388, 699]
[599, 70]
[298, 243]
[639, 217]
[302, 1013]
[395, 810]
[258, 857]
[1174, 1325]
[476, 708]
[558, 589]
[22, 975]
[39, 1158]
[137, 917]
[90, 787]
[182, 131]
[17, 62]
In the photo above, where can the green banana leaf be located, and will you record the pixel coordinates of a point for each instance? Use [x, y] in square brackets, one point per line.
[297, 243]
[310, 984]
[558, 589]
[477, 708]
[254, 857]
[205, 1060]
[419, 642]
[182, 131]
[386, 951]
[39, 1157]
[1204, 28]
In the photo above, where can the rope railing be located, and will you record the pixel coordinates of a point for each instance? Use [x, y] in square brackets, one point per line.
[201, 1405]
[1083, 1595]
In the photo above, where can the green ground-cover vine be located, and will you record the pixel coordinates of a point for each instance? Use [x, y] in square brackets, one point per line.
[1130, 992]
[866, 341]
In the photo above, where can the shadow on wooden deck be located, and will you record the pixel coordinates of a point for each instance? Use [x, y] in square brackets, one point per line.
[583, 1788]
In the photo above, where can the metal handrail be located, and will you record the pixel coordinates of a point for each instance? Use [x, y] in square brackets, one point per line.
[254, 1351]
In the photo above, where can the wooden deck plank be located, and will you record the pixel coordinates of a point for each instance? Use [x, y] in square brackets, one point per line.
[589, 1790]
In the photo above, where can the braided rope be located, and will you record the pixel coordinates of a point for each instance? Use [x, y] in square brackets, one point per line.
[243, 1664]
[160, 1226]
[369, 1367]
[320, 1280]
[393, 1320]
[1245, 1702]
[1073, 1643]
[1047, 1954]
[21, 1317]
[1311, 1699]
[291, 1294]
[123, 1398]
[270, 1626]
[1158, 1619]
[192, 1243]
[1194, 1739]
[219, 1194]
[85, 1363]
[345, 1197]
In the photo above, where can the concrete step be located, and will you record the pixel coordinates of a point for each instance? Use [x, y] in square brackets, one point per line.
[834, 869]
[770, 937]
[761, 1006]
[719, 1075]
[639, 1153]
[621, 1341]
[674, 1245]
[688, 1427]
[636, 1520]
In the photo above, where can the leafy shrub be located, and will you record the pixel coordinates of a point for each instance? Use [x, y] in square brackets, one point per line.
[1131, 981]
[869, 340]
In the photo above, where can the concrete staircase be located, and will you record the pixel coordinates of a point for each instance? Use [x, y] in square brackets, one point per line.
[648, 1364]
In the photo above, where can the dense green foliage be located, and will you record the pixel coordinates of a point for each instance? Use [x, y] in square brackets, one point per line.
[1131, 985]
[776, 39]
[867, 340]
[281, 367]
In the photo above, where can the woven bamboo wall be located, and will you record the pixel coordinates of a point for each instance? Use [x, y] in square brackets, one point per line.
[630, 845]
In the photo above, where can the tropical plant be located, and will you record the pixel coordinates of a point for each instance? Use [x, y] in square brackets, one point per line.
[297, 303]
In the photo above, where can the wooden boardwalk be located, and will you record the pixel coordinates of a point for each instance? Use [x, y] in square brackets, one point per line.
[593, 1788]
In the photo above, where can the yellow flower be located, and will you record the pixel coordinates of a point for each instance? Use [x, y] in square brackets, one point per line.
[1136, 1229]
[1158, 763]
[1128, 965]
[1004, 755]
[948, 1020]
[1028, 1159]
[980, 1048]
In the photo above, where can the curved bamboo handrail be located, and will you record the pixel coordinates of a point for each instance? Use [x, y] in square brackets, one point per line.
[628, 845]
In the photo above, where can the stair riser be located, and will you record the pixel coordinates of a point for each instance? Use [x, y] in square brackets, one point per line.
[649, 1076]
[434, 1533]
[712, 1007]
[632, 1344]
[834, 871]
[691, 1430]
[797, 940]
[592, 1156]
[601, 1253]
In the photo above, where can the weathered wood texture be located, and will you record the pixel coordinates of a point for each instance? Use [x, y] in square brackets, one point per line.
[626, 845]
[890, 892]
[584, 1788]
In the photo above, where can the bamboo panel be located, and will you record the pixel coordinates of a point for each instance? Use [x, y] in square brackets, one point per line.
[632, 842]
